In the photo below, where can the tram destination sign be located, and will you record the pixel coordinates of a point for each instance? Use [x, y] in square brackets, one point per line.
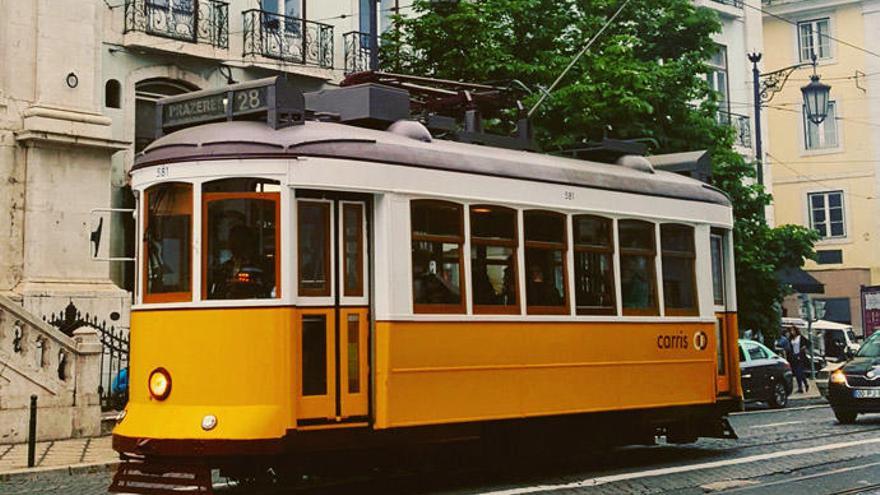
[273, 100]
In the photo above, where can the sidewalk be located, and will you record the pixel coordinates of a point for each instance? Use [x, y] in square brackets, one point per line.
[80, 452]
[812, 394]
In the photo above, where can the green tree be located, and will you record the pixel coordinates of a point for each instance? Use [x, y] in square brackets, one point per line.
[644, 78]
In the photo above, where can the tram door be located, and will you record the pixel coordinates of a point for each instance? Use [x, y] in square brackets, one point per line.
[332, 331]
[722, 322]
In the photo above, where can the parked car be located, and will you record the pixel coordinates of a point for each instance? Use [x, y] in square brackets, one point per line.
[854, 388]
[766, 377]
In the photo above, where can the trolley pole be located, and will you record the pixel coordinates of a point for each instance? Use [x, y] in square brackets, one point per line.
[32, 433]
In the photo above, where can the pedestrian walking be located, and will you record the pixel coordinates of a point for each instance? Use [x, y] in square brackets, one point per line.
[799, 345]
[785, 344]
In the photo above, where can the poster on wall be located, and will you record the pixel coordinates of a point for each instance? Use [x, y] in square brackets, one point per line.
[870, 309]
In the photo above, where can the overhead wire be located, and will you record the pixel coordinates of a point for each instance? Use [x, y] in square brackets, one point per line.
[794, 23]
[815, 180]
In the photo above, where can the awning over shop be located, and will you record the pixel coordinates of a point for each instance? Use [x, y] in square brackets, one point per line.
[800, 281]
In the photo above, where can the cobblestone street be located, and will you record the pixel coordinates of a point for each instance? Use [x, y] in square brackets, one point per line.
[800, 449]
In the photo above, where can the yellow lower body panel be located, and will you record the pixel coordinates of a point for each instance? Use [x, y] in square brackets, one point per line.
[444, 372]
[233, 363]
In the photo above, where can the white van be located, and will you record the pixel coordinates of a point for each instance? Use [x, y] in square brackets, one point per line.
[832, 340]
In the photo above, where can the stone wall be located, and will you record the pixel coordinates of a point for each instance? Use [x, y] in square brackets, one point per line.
[63, 372]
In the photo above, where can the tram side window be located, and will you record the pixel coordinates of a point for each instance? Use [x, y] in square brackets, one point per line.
[437, 241]
[242, 240]
[717, 247]
[638, 281]
[167, 243]
[593, 267]
[545, 240]
[494, 241]
[313, 238]
[679, 273]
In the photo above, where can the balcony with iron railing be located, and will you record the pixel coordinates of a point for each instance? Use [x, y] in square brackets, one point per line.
[286, 38]
[742, 125]
[194, 21]
[357, 52]
[732, 3]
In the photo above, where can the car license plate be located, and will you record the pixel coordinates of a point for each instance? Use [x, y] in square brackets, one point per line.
[870, 393]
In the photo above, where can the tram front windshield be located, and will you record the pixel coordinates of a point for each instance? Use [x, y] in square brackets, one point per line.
[241, 235]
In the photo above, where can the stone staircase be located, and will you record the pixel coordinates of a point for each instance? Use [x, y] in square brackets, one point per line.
[63, 372]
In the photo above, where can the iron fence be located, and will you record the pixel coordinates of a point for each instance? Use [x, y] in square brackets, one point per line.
[357, 51]
[195, 21]
[287, 38]
[113, 384]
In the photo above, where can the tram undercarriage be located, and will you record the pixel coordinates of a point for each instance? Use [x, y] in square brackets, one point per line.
[158, 466]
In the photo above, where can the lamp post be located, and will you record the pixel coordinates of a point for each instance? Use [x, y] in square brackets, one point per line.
[768, 84]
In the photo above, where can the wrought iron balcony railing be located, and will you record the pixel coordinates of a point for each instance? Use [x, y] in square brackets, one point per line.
[288, 38]
[742, 124]
[196, 21]
[732, 3]
[357, 51]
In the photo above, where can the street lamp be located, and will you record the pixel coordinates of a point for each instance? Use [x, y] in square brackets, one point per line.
[768, 84]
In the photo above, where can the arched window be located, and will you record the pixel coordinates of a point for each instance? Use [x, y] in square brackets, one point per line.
[679, 273]
[494, 242]
[112, 94]
[638, 280]
[437, 242]
[241, 239]
[168, 243]
[593, 265]
[546, 246]
[147, 92]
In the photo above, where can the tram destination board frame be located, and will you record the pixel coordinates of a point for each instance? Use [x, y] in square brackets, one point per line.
[273, 100]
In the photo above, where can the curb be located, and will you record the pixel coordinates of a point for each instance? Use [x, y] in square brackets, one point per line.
[84, 468]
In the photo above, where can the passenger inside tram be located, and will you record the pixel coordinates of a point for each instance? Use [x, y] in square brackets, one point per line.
[240, 276]
[539, 290]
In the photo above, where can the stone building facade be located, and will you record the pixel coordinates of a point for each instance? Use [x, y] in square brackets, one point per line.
[78, 85]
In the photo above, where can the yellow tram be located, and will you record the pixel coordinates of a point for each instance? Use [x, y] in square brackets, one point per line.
[307, 284]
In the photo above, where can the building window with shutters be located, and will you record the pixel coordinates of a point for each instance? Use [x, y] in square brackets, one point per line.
[824, 135]
[814, 38]
[827, 214]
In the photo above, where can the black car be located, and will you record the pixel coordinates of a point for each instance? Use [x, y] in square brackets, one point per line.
[766, 377]
[854, 388]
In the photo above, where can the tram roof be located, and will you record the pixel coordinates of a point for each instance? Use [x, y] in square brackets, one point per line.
[248, 139]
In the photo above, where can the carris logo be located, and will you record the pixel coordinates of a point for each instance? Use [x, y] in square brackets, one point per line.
[679, 341]
[701, 341]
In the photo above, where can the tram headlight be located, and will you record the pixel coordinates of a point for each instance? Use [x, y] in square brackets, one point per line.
[838, 378]
[160, 384]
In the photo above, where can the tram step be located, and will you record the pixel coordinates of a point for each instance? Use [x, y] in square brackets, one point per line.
[147, 478]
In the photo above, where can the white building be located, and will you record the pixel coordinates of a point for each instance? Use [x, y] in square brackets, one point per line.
[731, 76]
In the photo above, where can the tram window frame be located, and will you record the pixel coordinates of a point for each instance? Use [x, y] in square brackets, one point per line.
[653, 309]
[511, 242]
[327, 290]
[719, 276]
[209, 197]
[561, 245]
[606, 250]
[459, 239]
[349, 291]
[666, 255]
[149, 297]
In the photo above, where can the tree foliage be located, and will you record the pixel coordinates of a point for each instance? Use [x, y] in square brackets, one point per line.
[645, 77]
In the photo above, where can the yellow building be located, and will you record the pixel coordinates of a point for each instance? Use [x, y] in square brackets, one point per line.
[825, 176]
